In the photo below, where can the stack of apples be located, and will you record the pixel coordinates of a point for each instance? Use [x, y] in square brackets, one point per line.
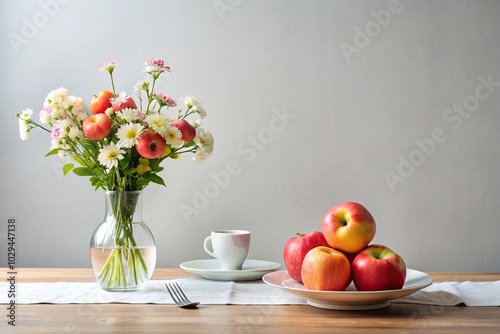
[330, 260]
[149, 144]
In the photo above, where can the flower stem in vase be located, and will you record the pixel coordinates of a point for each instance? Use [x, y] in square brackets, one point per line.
[125, 265]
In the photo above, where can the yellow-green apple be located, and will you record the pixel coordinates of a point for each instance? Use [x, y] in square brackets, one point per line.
[188, 131]
[101, 101]
[150, 144]
[296, 249]
[348, 227]
[377, 267]
[325, 268]
[96, 127]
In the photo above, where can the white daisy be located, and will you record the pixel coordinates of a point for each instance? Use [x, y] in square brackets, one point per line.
[128, 134]
[56, 100]
[141, 85]
[158, 122]
[25, 115]
[56, 143]
[110, 112]
[74, 132]
[45, 115]
[24, 123]
[57, 96]
[205, 142]
[121, 98]
[193, 102]
[77, 107]
[58, 113]
[24, 130]
[65, 125]
[173, 136]
[128, 114]
[109, 155]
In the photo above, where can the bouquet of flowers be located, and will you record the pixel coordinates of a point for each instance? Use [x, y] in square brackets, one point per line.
[120, 146]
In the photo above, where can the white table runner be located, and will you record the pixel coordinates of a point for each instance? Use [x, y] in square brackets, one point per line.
[244, 293]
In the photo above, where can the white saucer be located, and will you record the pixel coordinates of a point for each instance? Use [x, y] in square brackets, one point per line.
[349, 299]
[210, 269]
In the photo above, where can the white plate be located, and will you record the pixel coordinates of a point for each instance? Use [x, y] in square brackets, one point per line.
[349, 299]
[210, 269]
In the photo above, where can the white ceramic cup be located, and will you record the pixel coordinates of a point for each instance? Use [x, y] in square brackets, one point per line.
[229, 247]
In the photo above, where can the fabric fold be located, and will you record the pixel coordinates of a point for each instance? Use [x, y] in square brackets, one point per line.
[456, 293]
[241, 293]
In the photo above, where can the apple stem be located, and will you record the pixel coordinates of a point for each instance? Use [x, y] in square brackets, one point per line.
[300, 234]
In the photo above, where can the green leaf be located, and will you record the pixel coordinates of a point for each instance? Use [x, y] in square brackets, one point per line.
[142, 182]
[189, 144]
[66, 168]
[52, 152]
[94, 180]
[155, 178]
[77, 159]
[83, 171]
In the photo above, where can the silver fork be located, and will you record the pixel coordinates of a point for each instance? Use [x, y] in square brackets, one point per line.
[179, 297]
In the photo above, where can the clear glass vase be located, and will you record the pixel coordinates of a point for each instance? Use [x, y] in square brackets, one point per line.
[122, 248]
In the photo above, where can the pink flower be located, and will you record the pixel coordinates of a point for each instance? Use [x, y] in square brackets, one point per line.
[156, 65]
[45, 114]
[108, 66]
[56, 132]
[165, 100]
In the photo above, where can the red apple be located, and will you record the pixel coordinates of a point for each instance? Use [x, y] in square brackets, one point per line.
[96, 127]
[350, 256]
[296, 249]
[123, 102]
[100, 102]
[325, 268]
[348, 227]
[378, 268]
[188, 131]
[150, 144]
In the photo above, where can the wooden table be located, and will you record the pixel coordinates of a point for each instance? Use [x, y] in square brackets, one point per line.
[146, 318]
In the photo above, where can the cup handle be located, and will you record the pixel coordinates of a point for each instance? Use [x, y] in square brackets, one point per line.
[207, 244]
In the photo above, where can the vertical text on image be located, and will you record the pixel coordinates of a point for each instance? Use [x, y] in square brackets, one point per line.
[11, 271]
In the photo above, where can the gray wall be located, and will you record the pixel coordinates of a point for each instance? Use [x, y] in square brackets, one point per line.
[311, 103]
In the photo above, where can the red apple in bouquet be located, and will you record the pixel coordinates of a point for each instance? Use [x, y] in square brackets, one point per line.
[296, 249]
[150, 144]
[96, 127]
[348, 227]
[123, 101]
[101, 101]
[325, 268]
[377, 267]
[188, 131]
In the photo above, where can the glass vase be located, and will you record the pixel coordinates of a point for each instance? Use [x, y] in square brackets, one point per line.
[122, 248]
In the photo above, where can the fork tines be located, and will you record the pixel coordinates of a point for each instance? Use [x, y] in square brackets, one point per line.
[178, 295]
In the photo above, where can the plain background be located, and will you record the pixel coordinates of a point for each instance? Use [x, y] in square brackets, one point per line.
[311, 103]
